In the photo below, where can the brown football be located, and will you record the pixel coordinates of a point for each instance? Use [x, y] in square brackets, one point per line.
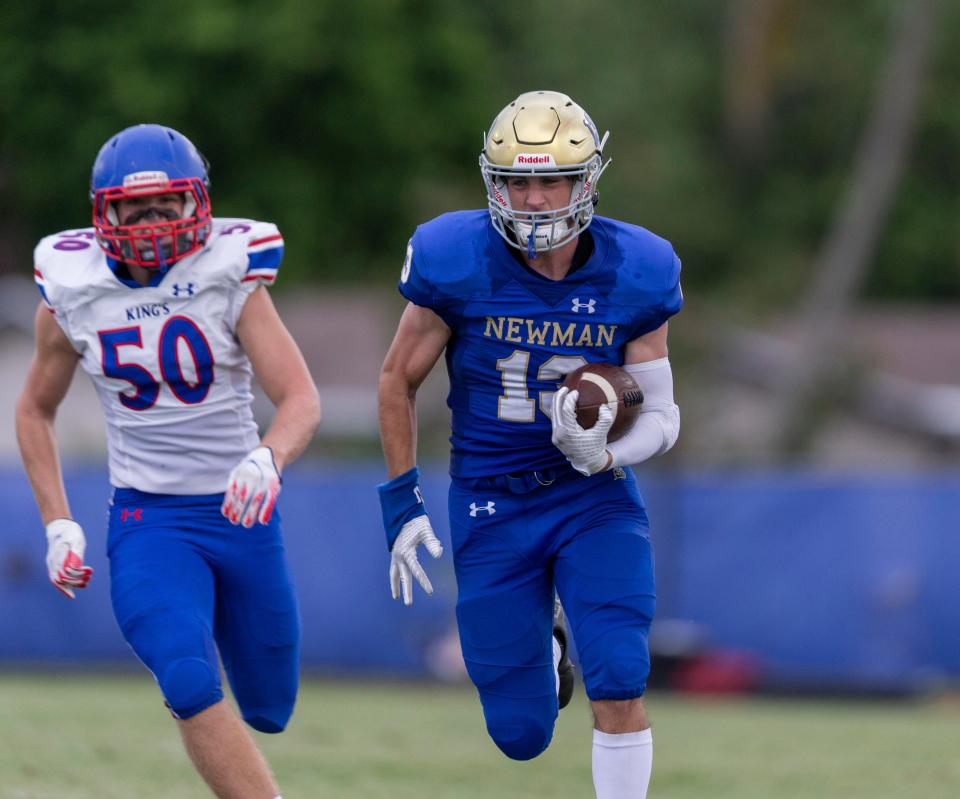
[605, 384]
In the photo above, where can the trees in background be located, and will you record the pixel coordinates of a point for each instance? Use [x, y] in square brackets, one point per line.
[734, 125]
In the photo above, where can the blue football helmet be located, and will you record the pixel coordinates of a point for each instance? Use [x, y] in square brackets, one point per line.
[142, 161]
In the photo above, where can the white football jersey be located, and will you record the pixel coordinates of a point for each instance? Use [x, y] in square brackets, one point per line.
[172, 378]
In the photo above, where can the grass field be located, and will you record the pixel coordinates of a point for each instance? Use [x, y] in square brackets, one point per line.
[108, 737]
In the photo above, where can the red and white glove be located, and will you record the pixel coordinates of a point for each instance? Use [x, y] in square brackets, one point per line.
[585, 449]
[65, 547]
[252, 489]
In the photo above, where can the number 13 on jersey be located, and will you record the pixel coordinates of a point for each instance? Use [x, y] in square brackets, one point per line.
[515, 404]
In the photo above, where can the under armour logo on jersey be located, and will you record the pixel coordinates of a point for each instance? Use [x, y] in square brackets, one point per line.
[590, 305]
[136, 514]
[188, 289]
[475, 509]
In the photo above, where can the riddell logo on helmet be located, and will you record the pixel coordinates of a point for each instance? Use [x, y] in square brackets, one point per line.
[144, 180]
[532, 159]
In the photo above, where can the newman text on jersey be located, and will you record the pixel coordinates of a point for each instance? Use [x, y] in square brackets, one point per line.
[546, 333]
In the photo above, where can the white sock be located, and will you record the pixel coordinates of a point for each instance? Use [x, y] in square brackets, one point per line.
[557, 654]
[622, 763]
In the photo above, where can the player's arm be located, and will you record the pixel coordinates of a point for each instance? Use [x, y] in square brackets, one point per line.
[48, 378]
[279, 367]
[417, 346]
[419, 341]
[282, 372]
[647, 348]
[658, 424]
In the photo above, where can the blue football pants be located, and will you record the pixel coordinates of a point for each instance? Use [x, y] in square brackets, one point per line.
[588, 538]
[185, 584]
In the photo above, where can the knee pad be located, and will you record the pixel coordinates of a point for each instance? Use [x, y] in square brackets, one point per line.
[189, 685]
[520, 715]
[522, 730]
[266, 689]
[270, 719]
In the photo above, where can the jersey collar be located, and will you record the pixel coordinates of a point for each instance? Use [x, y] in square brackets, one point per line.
[122, 274]
[550, 291]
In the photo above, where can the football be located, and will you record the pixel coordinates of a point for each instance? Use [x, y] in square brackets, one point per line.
[605, 384]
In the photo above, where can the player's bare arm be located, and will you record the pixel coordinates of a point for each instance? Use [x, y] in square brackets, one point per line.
[282, 372]
[253, 485]
[48, 378]
[51, 371]
[649, 347]
[419, 341]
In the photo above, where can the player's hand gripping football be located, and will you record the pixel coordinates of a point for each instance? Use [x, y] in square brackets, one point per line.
[252, 489]
[585, 449]
[403, 558]
[65, 547]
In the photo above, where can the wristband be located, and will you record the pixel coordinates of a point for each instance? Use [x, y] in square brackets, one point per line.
[400, 501]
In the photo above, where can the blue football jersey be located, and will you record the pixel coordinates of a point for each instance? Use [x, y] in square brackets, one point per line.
[516, 333]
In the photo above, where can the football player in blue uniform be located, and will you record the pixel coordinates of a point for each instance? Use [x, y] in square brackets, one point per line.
[517, 296]
[166, 308]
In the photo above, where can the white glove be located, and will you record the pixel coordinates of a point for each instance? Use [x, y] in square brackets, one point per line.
[252, 489]
[65, 548]
[585, 449]
[403, 558]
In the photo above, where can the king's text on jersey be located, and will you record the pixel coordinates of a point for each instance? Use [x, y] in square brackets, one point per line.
[147, 311]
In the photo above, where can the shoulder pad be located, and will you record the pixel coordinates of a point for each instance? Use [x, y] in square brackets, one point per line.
[69, 260]
[444, 257]
[261, 244]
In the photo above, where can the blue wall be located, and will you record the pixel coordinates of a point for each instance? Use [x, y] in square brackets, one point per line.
[830, 579]
[842, 579]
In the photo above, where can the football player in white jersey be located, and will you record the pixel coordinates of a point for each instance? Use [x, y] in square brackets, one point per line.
[166, 309]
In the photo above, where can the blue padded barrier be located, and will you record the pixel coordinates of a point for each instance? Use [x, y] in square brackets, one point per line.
[844, 578]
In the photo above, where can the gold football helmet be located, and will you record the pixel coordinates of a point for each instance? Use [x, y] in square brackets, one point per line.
[542, 133]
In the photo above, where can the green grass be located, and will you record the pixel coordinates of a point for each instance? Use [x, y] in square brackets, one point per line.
[109, 737]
